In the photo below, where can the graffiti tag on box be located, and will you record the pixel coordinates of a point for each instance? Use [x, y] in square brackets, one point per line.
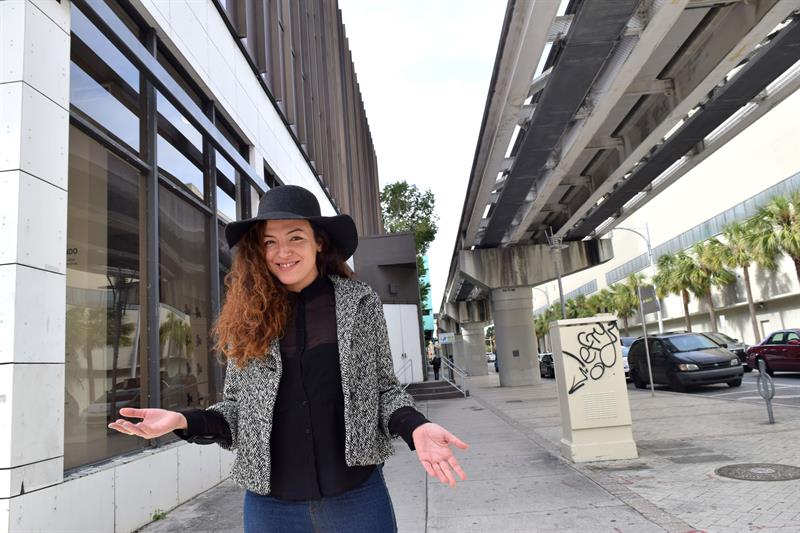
[597, 351]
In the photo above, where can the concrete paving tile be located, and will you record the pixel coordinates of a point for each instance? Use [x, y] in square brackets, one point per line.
[510, 495]
[617, 519]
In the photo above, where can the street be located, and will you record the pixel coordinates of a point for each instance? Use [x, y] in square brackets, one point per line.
[787, 390]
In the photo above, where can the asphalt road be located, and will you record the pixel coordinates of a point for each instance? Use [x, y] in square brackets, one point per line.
[787, 389]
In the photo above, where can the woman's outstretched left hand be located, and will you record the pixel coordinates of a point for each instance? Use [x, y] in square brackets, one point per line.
[432, 443]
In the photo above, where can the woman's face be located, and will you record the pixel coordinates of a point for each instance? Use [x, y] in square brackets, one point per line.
[291, 252]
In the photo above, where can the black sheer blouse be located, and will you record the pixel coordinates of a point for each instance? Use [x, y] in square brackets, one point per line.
[308, 432]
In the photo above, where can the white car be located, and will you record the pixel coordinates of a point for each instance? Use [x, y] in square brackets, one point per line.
[626, 344]
[490, 357]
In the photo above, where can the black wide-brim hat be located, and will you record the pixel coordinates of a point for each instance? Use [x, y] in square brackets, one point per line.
[290, 202]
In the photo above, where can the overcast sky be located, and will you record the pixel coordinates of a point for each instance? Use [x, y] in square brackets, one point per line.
[424, 69]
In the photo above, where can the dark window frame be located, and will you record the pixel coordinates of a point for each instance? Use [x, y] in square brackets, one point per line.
[142, 48]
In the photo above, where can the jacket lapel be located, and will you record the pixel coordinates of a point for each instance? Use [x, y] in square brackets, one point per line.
[347, 294]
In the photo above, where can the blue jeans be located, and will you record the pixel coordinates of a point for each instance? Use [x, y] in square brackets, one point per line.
[364, 509]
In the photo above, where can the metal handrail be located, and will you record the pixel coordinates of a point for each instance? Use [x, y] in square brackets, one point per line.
[456, 374]
[402, 370]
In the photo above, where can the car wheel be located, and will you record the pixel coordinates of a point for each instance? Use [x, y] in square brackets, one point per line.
[735, 383]
[766, 366]
[637, 381]
[676, 385]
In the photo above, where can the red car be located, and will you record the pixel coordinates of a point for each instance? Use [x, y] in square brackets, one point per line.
[780, 352]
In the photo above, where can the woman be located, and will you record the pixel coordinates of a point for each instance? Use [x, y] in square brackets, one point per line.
[310, 401]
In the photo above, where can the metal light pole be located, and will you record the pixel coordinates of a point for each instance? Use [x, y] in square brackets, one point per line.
[651, 259]
[556, 245]
[547, 296]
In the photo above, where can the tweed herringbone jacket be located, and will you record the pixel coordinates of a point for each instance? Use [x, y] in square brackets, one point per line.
[371, 390]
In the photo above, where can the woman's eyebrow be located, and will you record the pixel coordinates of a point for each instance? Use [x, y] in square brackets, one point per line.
[288, 232]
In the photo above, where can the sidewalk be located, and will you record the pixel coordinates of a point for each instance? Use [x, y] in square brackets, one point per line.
[518, 481]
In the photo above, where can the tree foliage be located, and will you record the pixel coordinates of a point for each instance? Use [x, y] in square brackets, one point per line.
[405, 208]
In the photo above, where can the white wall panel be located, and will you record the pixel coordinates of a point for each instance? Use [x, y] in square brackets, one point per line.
[34, 476]
[144, 485]
[33, 393]
[32, 317]
[33, 134]
[84, 504]
[58, 12]
[34, 222]
[198, 469]
[46, 56]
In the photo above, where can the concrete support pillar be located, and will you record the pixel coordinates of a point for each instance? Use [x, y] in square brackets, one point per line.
[474, 345]
[512, 310]
[459, 358]
[34, 121]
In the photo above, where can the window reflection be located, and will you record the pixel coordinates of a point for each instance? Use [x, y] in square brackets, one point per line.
[179, 167]
[185, 302]
[102, 327]
[96, 102]
[95, 41]
[226, 188]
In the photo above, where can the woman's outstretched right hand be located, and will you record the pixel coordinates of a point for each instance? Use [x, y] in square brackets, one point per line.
[155, 422]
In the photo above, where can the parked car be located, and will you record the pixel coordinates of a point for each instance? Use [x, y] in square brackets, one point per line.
[546, 367]
[682, 360]
[626, 345]
[734, 345]
[780, 352]
[490, 357]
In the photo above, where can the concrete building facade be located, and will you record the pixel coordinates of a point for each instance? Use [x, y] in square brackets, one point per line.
[132, 132]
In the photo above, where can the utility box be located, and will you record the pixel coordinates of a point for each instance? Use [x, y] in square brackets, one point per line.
[592, 393]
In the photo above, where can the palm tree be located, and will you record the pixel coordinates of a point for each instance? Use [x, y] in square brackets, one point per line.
[740, 251]
[541, 327]
[709, 271]
[777, 228]
[672, 277]
[625, 298]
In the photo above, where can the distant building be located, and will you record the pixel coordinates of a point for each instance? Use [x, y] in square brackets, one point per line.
[428, 324]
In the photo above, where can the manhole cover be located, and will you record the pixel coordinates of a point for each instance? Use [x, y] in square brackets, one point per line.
[760, 472]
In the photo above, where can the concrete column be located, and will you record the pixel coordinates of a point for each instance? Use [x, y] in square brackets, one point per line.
[459, 357]
[34, 146]
[475, 348]
[512, 310]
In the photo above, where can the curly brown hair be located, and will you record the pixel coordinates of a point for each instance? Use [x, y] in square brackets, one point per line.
[257, 306]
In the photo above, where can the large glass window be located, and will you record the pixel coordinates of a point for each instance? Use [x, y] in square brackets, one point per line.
[104, 86]
[185, 302]
[103, 373]
[226, 189]
[107, 221]
[180, 147]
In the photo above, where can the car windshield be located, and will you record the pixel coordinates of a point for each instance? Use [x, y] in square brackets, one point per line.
[688, 343]
[627, 341]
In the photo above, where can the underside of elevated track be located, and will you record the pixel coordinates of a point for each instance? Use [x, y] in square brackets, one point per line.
[594, 107]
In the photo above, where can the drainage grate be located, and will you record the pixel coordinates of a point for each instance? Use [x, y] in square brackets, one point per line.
[759, 472]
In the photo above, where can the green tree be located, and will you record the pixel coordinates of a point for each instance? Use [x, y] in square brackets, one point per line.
[625, 298]
[672, 277]
[776, 228]
[709, 271]
[405, 208]
[741, 250]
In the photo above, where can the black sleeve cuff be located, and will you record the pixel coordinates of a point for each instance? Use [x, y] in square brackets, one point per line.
[404, 421]
[204, 427]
